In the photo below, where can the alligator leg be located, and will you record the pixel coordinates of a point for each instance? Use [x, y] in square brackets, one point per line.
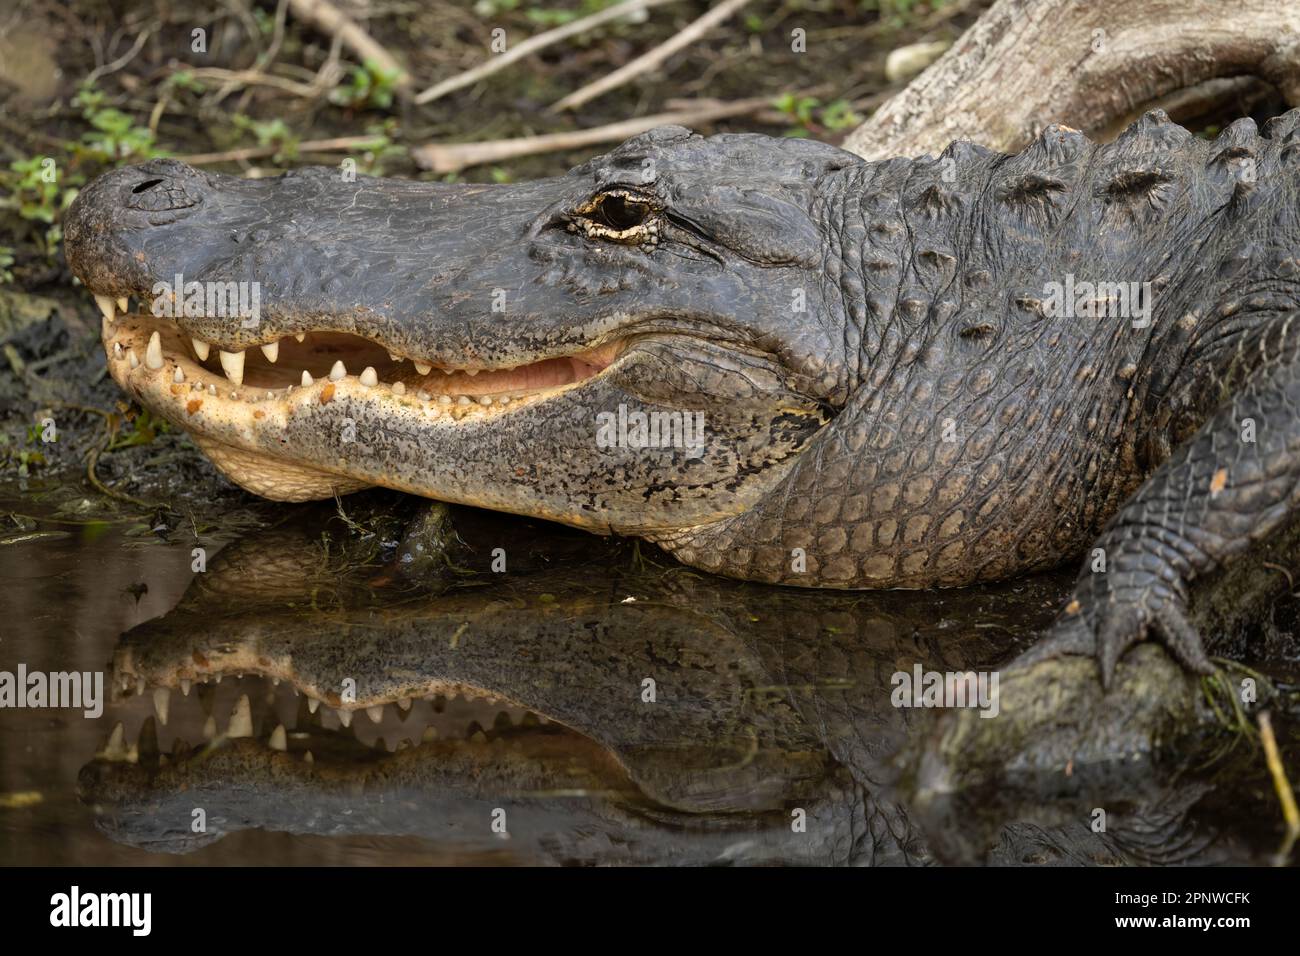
[1228, 488]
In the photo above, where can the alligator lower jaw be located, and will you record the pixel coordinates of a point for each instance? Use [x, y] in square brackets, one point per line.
[237, 405]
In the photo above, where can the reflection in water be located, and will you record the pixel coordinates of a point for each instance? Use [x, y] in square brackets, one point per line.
[372, 682]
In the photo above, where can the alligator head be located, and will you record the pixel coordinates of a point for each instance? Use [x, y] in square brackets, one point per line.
[469, 342]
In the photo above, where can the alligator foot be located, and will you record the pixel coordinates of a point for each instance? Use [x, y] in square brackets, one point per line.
[1214, 503]
[1107, 631]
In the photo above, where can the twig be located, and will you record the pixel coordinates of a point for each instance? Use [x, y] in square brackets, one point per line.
[535, 43]
[342, 144]
[1285, 795]
[122, 60]
[234, 79]
[92, 459]
[329, 19]
[453, 157]
[652, 58]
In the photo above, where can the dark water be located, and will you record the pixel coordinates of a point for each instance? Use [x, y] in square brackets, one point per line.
[594, 704]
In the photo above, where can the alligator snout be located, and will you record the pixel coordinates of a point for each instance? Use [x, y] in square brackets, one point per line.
[114, 216]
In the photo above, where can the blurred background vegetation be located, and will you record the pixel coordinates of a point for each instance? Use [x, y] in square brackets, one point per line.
[89, 84]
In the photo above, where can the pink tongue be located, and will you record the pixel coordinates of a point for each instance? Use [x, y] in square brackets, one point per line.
[551, 373]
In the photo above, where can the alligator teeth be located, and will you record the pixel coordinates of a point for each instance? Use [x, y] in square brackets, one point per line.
[241, 719]
[448, 371]
[153, 354]
[471, 371]
[185, 687]
[131, 359]
[178, 376]
[271, 351]
[201, 349]
[399, 388]
[345, 718]
[161, 701]
[423, 368]
[338, 371]
[462, 400]
[368, 377]
[279, 738]
[106, 306]
[444, 399]
[306, 378]
[124, 304]
[394, 357]
[115, 749]
[232, 363]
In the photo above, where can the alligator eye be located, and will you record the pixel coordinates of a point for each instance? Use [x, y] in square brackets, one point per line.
[618, 215]
[622, 212]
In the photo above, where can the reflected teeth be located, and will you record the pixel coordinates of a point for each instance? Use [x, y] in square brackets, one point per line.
[338, 372]
[271, 351]
[153, 354]
[201, 349]
[232, 363]
[161, 703]
[241, 719]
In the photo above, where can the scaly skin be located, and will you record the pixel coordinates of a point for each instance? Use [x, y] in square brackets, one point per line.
[889, 403]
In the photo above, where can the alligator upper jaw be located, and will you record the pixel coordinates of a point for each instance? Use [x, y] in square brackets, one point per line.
[238, 404]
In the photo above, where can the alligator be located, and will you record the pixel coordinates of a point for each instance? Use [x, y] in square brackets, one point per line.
[778, 361]
[525, 695]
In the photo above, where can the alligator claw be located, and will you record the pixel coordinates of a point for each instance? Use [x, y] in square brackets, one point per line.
[1075, 633]
[1127, 627]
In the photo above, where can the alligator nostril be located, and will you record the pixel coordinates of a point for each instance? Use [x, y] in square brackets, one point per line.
[147, 184]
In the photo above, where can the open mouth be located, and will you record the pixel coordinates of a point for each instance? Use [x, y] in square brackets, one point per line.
[314, 366]
[302, 722]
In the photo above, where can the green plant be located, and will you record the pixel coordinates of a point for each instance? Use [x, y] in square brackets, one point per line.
[6, 260]
[36, 194]
[115, 137]
[810, 115]
[367, 86]
[270, 133]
